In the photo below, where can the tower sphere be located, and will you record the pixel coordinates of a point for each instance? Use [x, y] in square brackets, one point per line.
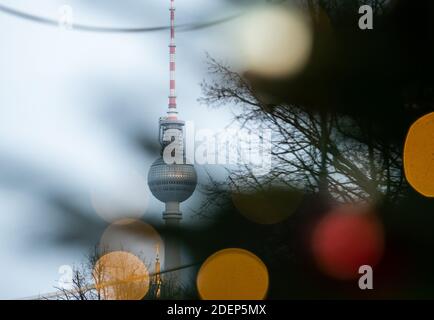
[172, 182]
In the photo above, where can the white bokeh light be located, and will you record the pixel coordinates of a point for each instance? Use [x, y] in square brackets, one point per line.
[126, 197]
[275, 42]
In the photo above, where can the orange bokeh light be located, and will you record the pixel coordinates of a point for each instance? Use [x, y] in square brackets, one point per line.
[419, 155]
[233, 274]
[121, 276]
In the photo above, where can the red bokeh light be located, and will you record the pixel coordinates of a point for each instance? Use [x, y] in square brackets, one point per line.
[345, 239]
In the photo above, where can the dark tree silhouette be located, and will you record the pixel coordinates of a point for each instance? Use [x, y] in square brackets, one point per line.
[339, 126]
[318, 152]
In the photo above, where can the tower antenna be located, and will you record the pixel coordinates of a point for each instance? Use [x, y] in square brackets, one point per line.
[172, 113]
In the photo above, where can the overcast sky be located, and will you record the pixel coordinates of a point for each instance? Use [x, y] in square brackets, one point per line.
[70, 103]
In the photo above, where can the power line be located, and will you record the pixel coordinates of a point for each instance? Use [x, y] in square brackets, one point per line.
[89, 28]
[58, 294]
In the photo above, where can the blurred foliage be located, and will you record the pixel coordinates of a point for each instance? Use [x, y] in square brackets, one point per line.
[346, 115]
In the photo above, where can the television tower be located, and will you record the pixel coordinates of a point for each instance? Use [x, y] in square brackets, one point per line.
[172, 182]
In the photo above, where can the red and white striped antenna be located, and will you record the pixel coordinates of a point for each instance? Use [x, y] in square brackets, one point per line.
[172, 113]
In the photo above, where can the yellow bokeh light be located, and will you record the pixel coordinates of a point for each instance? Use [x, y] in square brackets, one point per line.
[275, 42]
[267, 206]
[121, 276]
[419, 155]
[233, 274]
